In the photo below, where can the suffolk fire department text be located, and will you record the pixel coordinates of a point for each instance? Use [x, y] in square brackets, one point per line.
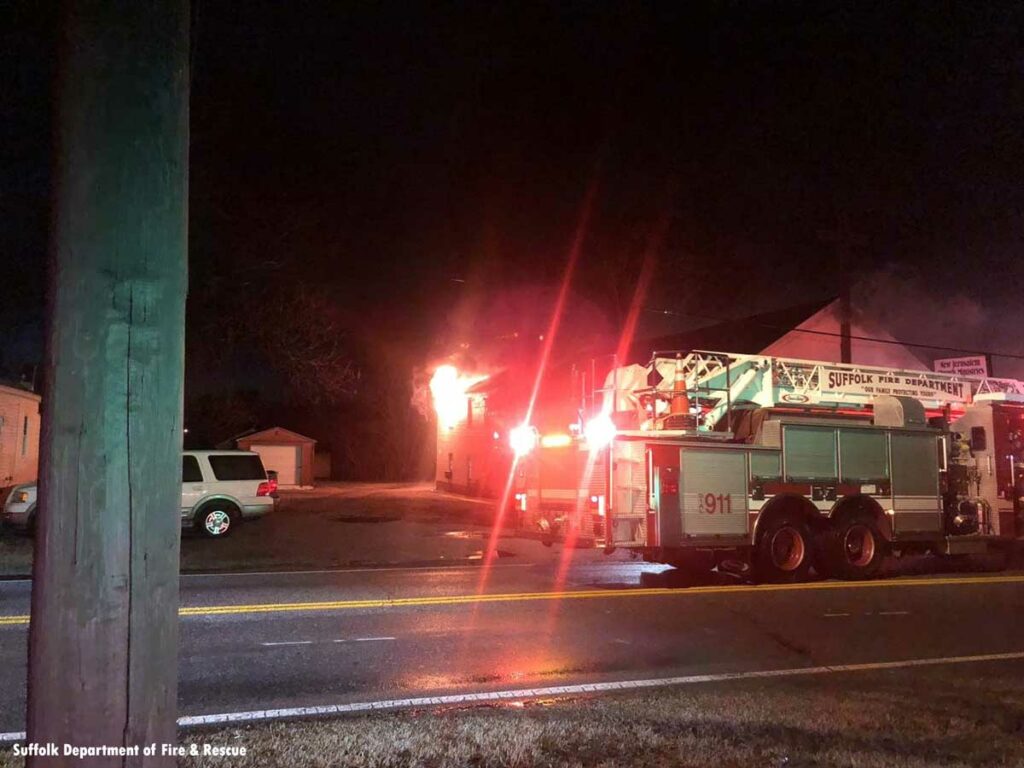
[838, 380]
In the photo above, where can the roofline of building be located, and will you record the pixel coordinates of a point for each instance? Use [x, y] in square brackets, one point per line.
[770, 319]
[28, 394]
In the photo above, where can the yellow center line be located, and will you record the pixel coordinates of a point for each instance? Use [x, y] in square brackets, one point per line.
[401, 602]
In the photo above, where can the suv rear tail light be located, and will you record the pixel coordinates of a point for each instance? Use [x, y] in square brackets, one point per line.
[264, 489]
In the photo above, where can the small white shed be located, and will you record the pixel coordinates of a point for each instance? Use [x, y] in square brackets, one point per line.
[285, 452]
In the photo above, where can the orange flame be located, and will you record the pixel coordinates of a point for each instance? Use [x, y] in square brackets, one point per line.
[448, 389]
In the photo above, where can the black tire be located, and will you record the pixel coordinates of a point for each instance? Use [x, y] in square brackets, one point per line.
[784, 550]
[855, 548]
[216, 519]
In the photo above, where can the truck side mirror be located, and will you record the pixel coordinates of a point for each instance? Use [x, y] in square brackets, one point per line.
[978, 442]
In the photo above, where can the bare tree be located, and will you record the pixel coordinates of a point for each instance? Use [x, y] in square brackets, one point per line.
[293, 329]
[302, 334]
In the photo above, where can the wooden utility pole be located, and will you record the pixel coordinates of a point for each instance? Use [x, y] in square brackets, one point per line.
[103, 635]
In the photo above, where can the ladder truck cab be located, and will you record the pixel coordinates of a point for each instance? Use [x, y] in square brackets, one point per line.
[787, 465]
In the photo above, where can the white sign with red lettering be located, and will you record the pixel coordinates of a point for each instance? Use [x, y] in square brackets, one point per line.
[976, 365]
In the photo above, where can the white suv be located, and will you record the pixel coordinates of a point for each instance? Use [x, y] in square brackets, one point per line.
[222, 488]
[18, 505]
[218, 490]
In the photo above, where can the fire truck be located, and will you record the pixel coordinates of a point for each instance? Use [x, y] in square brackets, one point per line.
[701, 458]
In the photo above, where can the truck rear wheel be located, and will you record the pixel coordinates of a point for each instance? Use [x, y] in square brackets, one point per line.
[855, 548]
[783, 554]
[216, 519]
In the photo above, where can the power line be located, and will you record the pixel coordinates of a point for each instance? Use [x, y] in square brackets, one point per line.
[875, 339]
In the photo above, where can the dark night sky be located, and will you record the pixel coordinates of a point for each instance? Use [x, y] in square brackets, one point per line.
[386, 150]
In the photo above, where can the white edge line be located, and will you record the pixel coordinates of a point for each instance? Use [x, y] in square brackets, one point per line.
[290, 642]
[227, 718]
[340, 640]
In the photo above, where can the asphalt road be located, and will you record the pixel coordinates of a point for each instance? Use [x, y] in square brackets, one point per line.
[258, 641]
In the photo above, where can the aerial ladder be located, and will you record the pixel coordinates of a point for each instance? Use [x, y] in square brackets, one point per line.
[711, 384]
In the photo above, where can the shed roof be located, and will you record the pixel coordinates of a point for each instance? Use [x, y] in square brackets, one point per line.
[274, 435]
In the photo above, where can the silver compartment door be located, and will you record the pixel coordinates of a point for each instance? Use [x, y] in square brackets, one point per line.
[629, 485]
[915, 484]
[714, 491]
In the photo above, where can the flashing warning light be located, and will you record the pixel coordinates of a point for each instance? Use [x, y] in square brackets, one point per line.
[522, 439]
[557, 440]
[599, 431]
[448, 389]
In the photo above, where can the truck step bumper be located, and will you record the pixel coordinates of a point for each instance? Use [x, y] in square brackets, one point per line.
[962, 545]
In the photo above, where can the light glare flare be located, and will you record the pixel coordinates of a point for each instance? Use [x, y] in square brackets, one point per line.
[522, 439]
[599, 431]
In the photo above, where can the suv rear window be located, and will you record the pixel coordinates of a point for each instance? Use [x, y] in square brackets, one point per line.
[190, 472]
[245, 467]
